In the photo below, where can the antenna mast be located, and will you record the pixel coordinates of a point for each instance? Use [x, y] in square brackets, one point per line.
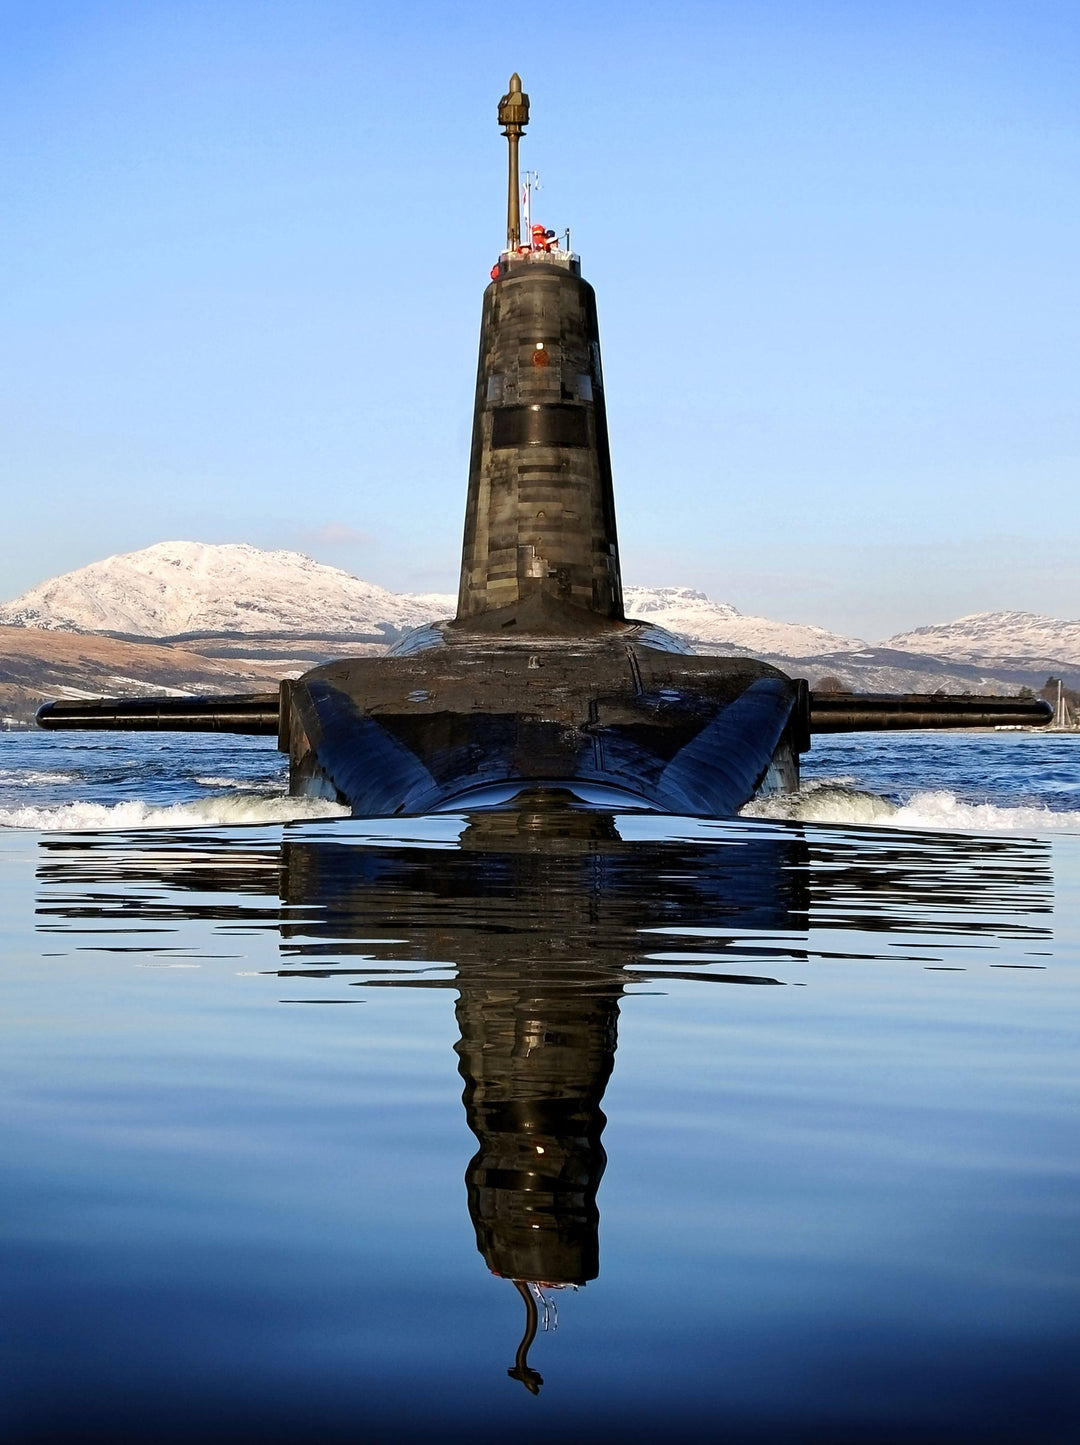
[513, 117]
[531, 183]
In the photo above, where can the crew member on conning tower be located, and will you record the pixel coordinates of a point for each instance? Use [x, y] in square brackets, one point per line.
[542, 240]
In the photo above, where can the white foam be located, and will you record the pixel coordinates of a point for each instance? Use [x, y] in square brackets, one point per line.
[942, 809]
[250, 784]
[830, 802]
[29, 778]
[824, 803]
[227, 812]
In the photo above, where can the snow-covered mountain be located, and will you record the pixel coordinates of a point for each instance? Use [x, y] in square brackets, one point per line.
[995, 634]
[718, 625]
[175, 588]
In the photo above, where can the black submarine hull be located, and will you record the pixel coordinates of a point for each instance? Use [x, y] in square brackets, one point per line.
[612, 717]
[615, 722]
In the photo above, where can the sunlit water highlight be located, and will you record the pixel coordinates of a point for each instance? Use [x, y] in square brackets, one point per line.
[290, 1106]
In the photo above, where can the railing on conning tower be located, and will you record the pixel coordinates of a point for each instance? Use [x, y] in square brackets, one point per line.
[524, 256]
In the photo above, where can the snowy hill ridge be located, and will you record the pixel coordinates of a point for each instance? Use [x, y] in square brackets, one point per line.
[174, 589]
[177, 588]
[710, 624]
[994, 634]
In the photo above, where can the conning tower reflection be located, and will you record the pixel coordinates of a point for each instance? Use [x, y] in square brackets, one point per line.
[536, 1054]
[535, 1062]
[541, 912]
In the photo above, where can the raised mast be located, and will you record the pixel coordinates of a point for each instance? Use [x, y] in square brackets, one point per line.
[513, 117]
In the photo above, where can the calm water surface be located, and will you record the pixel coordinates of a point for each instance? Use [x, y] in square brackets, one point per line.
[554, 1125]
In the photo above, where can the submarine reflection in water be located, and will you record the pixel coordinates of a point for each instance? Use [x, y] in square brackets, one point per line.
[536, 1057]
[552, 907]
[540, 919]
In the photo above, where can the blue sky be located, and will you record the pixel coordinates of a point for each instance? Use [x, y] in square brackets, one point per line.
[835, 247]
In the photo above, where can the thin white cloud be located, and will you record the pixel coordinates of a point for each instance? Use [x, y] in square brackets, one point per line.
[333, 534]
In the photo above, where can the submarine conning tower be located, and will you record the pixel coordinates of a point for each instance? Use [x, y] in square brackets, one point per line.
[540, 546]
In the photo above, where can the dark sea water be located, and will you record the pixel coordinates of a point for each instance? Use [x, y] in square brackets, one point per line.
[546, 1126]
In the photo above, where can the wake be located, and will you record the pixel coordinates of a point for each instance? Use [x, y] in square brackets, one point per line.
[221, 812]
[816, 802]
[931, 811]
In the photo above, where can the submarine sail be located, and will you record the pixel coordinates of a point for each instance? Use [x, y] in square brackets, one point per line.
[540, 512]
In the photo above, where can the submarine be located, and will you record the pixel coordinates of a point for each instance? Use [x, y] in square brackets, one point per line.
[540, 682]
